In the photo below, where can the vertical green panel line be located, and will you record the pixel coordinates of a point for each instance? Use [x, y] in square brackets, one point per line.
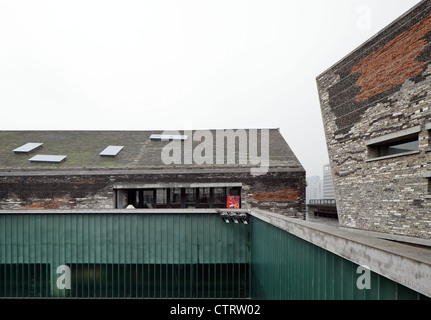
[65, 221]
[117, 287]
[66, 236]
[35, 259]
[155, 252]
[62, 244]
[94, 251]
[112, 268]
[210, 258]
[191, 256]
[40, 258]
[57, 253]
[5, 244]
[9, 259]
[107, 251]
[218, 275]
[77, 254]
[123, 254]
[166, 256]
[129, 259]
[44, 246]
[140, 233]
[82, 256]
[27, 279]
[146, 276]
[148, 239]
[137, 281]
[16, 258]
[175, 259]
[87, 247]
[98, 252]
[203, 257]
[2, 259]
[133, 257]
[187, 237]
[102, 255]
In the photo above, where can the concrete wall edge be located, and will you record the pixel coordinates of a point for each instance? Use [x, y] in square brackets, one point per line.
[407, 265]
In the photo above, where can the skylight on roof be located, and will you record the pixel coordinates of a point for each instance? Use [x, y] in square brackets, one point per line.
[47, 158]
[168, 137]
[111, 151]
[28, 147]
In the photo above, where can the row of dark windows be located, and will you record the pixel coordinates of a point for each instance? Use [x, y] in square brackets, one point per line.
[202, 197]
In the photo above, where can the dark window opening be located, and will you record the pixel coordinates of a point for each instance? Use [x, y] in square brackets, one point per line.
[204, 197]
[399, 147]
[175, 198]
[148, 198]
[201, 197]
[219, 197]
[233, 191]
[162, 198]
[190, 197]
[394, 147]
[133, 198]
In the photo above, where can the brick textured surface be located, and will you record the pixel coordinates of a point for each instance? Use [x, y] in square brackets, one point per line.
[282, 195]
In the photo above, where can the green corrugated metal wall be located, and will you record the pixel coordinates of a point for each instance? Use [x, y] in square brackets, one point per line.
[172, 256]
[285, 267]
[163, 255]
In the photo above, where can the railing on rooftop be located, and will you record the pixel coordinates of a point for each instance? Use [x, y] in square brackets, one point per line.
[322, 202]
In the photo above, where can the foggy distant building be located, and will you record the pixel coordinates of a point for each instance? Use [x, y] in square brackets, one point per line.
[328, 185]
[314, 188]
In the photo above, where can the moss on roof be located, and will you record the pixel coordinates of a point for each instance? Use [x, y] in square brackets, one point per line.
[82, 149]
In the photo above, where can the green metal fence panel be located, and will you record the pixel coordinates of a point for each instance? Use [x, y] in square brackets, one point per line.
[172, 256]
[123, 255]
[285, 267]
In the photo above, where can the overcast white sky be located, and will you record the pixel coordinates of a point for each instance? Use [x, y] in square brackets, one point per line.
[201, 64]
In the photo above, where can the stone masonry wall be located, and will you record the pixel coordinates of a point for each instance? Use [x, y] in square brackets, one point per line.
[279, 192]
[381, 88]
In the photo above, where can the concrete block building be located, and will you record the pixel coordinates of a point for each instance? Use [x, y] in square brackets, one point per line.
[376, 109]
[101, 170]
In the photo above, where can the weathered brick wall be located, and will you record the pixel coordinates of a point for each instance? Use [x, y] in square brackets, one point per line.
[381, 88]
[280, 192]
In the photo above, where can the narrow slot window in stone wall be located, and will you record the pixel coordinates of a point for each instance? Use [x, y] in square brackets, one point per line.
[396, 144]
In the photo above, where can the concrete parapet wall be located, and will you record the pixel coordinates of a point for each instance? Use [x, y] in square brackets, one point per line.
[407, 265]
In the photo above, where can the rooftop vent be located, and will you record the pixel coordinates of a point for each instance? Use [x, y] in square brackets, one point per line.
[168, 137]
[28, 147]
[47, 158]
[111, 151]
